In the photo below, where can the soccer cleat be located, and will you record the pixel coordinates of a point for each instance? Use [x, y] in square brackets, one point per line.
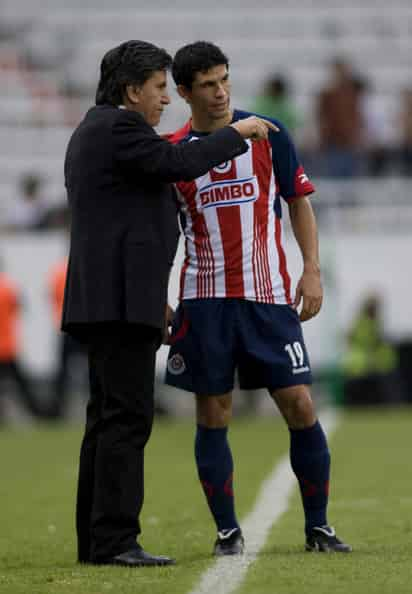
[323, 539]
[229, 542]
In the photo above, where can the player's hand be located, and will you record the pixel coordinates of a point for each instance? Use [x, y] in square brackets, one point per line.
[254, 128]
[310, 292]
[168, 323]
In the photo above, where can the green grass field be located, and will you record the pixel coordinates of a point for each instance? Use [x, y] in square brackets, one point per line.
[371, 507]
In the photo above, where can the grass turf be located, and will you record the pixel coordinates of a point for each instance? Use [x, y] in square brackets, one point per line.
[371, 507]
[37, 493]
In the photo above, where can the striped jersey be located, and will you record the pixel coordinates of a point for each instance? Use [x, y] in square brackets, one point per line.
[232, 221]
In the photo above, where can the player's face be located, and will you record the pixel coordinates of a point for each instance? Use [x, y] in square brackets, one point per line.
[151, 98]
[210, 93]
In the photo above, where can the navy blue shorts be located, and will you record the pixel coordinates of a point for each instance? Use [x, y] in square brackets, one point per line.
[211, 338]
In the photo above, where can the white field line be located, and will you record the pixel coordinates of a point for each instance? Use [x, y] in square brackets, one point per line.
[227, 573]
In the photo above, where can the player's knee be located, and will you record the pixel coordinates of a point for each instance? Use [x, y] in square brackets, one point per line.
[303, 413]
[296, 406]
[214, 411]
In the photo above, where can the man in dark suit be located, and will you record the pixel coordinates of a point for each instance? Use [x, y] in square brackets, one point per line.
[124, 234]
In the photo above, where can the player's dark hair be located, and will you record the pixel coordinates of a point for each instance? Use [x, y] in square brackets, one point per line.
[196, 57]
[130, 63]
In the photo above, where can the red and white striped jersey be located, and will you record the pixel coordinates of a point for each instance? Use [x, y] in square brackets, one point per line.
[232, 221]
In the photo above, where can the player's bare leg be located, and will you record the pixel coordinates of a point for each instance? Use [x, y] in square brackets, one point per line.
[310, 460]
[215, 469]
[214, 412]
[296, 406]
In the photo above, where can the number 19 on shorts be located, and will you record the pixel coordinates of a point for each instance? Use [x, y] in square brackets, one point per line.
[297, 357]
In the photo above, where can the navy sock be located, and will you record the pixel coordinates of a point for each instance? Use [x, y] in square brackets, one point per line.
[215, 468]
[310, 459]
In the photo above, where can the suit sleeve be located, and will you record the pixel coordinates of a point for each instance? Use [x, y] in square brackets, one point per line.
[138, 147]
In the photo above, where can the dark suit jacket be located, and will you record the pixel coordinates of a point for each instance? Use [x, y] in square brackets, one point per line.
[118, 175]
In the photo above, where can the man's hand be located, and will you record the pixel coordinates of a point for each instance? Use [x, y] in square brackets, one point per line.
[168, 322]
[254, 128]
[309, 290]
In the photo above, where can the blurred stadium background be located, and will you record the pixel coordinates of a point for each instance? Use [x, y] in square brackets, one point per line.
[50, 52]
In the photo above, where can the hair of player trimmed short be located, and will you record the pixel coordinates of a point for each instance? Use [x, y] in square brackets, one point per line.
[196, 57]
[130, 63]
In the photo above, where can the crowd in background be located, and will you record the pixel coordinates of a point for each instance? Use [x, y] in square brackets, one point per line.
[350, 135]
[347, 132]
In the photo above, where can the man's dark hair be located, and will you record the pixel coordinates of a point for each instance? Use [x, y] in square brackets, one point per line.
[196, 57]
[130, 63]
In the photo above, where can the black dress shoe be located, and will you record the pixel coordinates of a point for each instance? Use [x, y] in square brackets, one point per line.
[138, 558]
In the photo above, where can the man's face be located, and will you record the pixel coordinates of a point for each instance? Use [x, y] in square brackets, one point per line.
[210, 93]
[151, 98]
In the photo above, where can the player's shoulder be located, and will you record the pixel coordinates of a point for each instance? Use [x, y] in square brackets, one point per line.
[275, 137]
[183, 134]
[240, 114]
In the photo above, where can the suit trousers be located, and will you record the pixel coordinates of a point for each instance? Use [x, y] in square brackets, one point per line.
[118, 425]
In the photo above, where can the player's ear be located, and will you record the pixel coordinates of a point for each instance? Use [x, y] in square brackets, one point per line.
[132, 93]
[184, 93]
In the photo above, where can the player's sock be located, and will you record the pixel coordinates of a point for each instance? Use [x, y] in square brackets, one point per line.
[215, 469]
[310, 459]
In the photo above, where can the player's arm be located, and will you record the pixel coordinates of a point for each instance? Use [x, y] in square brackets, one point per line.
[295, 186]
[309, 288]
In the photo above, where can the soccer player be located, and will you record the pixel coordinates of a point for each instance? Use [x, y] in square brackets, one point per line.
[236, 306]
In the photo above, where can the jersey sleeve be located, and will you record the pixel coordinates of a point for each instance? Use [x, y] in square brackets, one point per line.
[292, 181]
[178, 135]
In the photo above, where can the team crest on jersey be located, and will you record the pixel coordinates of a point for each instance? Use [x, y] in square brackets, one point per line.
[176, 364]
[229, 192]
[223, 167]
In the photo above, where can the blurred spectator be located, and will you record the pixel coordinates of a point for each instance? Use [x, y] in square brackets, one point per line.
[405, 124]
[42, 98]
[378, 136]
[370, 364]
[9, 343]
[341, 123]
[69, 349]
[275, 102]
[30, 210]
